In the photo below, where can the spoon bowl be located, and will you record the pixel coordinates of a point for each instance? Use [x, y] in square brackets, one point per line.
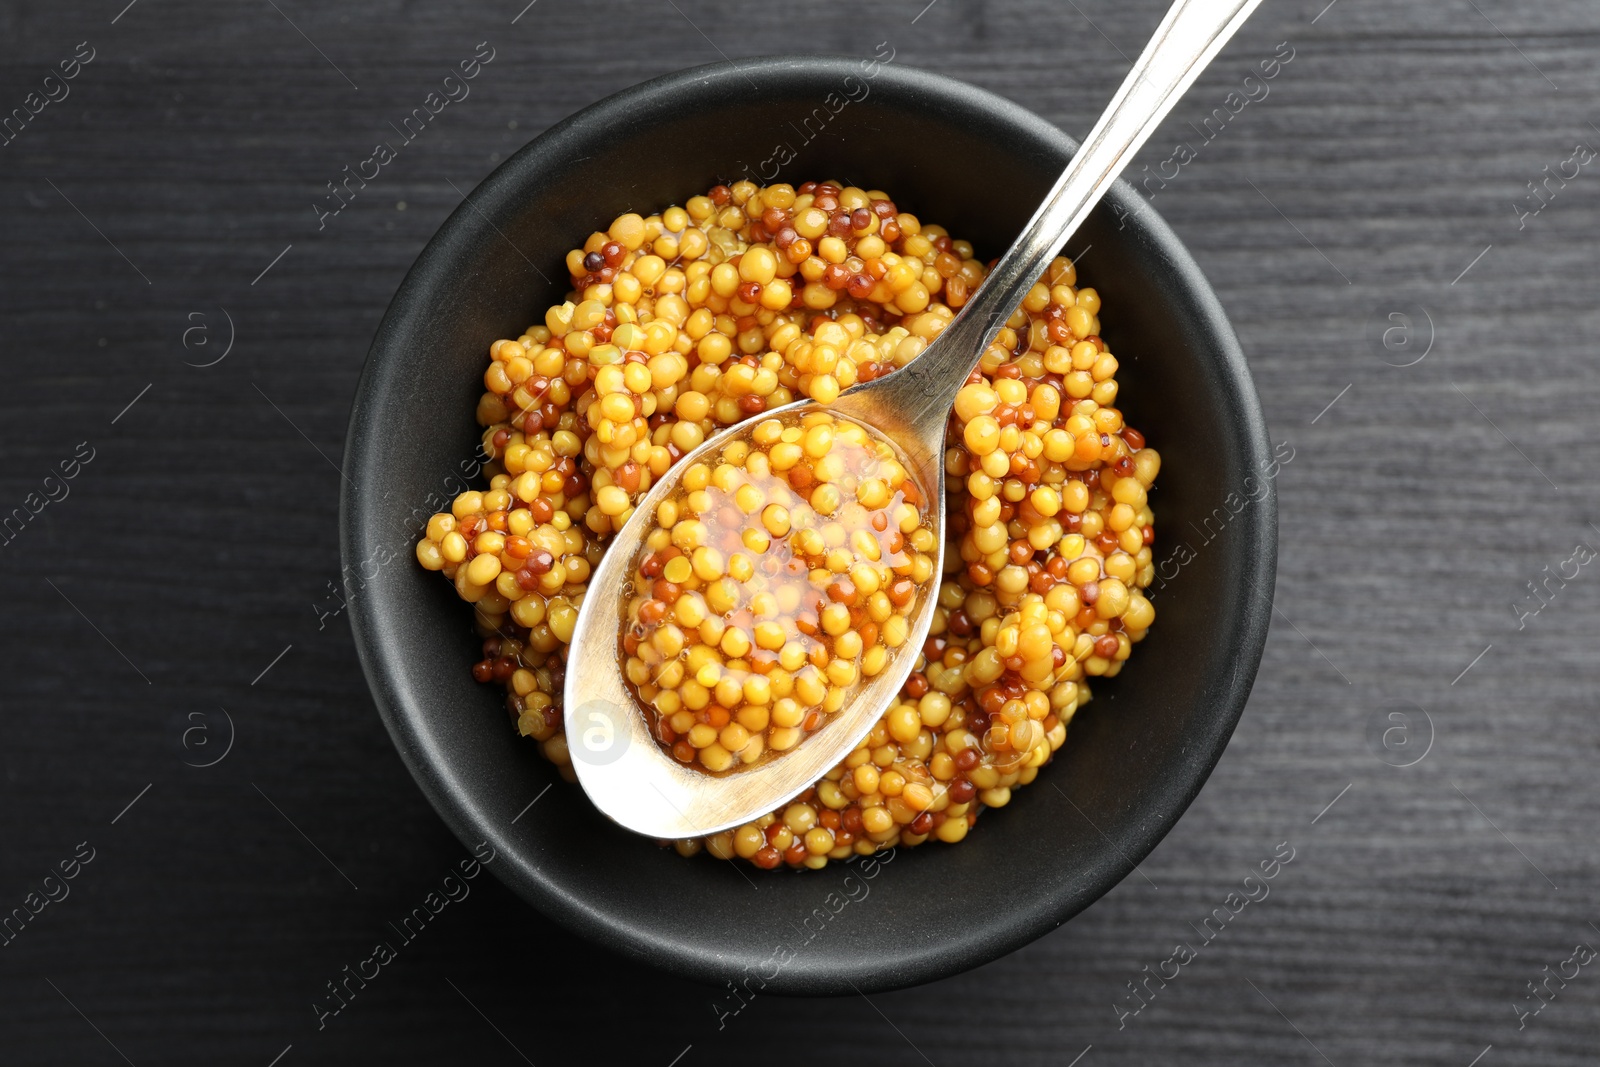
[626, 773]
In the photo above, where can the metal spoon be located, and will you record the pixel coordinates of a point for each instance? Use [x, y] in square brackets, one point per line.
[626, 773]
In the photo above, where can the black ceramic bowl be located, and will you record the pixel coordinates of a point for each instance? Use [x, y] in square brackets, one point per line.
[1135, 756]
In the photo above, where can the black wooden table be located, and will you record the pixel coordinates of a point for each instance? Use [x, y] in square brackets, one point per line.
[1401, 223]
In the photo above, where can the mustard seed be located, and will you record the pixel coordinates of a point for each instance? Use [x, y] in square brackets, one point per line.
[733, 304]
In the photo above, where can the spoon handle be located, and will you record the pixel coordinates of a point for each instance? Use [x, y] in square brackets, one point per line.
[1189, 37]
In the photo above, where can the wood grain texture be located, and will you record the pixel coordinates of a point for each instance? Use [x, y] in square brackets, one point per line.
[198, 544]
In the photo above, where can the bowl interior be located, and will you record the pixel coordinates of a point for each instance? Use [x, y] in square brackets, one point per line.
[1135, 756]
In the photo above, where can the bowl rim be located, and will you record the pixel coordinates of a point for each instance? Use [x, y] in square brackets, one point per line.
[445, 789]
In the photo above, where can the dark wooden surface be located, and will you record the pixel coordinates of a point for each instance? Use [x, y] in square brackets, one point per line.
[197, 545]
